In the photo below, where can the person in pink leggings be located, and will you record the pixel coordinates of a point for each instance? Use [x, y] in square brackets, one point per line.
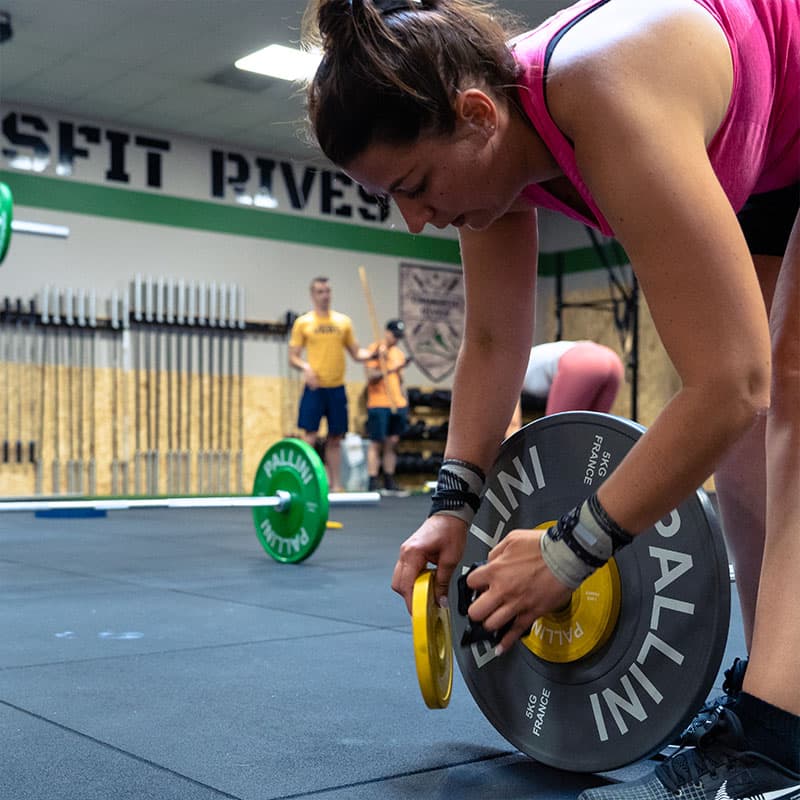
[674, 126]
[571, 376]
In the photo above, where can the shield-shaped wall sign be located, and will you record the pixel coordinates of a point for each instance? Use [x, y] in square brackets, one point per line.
[432, 307]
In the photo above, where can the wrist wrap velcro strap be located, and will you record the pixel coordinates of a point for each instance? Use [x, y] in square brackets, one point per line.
[581, 541]
[458, 489]
[618, 535]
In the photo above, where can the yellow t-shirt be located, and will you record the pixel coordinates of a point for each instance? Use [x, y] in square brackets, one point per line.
[378, 393]
[325, 338]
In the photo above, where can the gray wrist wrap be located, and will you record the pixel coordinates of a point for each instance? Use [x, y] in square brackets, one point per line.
[458, 489]
[581, 542]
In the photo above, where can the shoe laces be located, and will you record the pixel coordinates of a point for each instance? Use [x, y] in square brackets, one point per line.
[706, 717]
[715, 748]
[734, 676]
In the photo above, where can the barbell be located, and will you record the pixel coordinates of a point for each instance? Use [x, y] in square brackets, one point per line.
[9, 225]
[619, 672]
[290, 501]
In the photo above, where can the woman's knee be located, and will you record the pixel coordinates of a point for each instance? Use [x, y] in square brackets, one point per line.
[786, 358]
[784, 322]
[785, 378]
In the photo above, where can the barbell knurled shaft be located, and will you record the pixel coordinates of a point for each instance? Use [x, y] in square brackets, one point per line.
[124, 504]
[278, 501]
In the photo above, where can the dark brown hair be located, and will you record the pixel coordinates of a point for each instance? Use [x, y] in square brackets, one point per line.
[391, 68]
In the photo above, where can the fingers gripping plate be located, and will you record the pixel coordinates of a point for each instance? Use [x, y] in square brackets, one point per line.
[584, 624]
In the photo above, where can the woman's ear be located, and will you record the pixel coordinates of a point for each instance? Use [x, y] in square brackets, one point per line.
[478, 110]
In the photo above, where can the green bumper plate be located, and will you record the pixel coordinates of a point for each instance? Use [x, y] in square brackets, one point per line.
[6, 216]
[291, 534]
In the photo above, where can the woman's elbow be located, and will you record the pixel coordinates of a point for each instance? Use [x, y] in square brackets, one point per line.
[747, 396]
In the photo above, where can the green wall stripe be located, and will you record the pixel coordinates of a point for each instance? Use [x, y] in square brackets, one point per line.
[57, 194]
[103, 201]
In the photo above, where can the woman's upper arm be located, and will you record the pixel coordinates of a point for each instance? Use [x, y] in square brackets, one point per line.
[640, 119]
[674, 220]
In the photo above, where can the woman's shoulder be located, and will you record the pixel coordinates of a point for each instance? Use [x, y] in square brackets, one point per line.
[658, 33]
[633, 55]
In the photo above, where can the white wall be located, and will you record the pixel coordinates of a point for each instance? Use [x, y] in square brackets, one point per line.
[105, 253]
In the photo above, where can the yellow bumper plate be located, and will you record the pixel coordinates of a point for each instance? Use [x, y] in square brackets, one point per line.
[433, 643]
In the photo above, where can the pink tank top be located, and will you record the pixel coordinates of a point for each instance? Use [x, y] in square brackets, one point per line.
[757, 147]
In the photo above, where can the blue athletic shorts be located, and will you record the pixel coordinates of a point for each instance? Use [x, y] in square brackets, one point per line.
[318, 403]
[382, 423]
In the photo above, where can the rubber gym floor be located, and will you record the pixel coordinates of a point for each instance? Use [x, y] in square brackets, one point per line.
[162, 654]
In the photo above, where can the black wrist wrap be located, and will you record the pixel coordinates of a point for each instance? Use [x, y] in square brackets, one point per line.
[619, 536]
[458, 489]
[564, 531]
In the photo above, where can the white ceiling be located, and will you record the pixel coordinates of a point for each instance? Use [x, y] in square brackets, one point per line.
[148, 64]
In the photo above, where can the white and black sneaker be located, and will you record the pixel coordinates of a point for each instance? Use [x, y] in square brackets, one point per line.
[718, 767]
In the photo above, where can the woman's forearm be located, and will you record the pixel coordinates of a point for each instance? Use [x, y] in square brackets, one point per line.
[486, 386]
[678, 452]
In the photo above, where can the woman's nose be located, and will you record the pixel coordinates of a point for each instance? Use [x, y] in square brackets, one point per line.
[415, 214]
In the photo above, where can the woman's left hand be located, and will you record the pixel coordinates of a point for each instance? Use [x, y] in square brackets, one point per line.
[515, 584]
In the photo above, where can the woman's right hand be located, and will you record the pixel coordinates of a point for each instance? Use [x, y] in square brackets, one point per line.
[439, 540]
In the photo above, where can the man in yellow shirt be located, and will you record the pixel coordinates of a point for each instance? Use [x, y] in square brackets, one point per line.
[325, 335]
[387, 406]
